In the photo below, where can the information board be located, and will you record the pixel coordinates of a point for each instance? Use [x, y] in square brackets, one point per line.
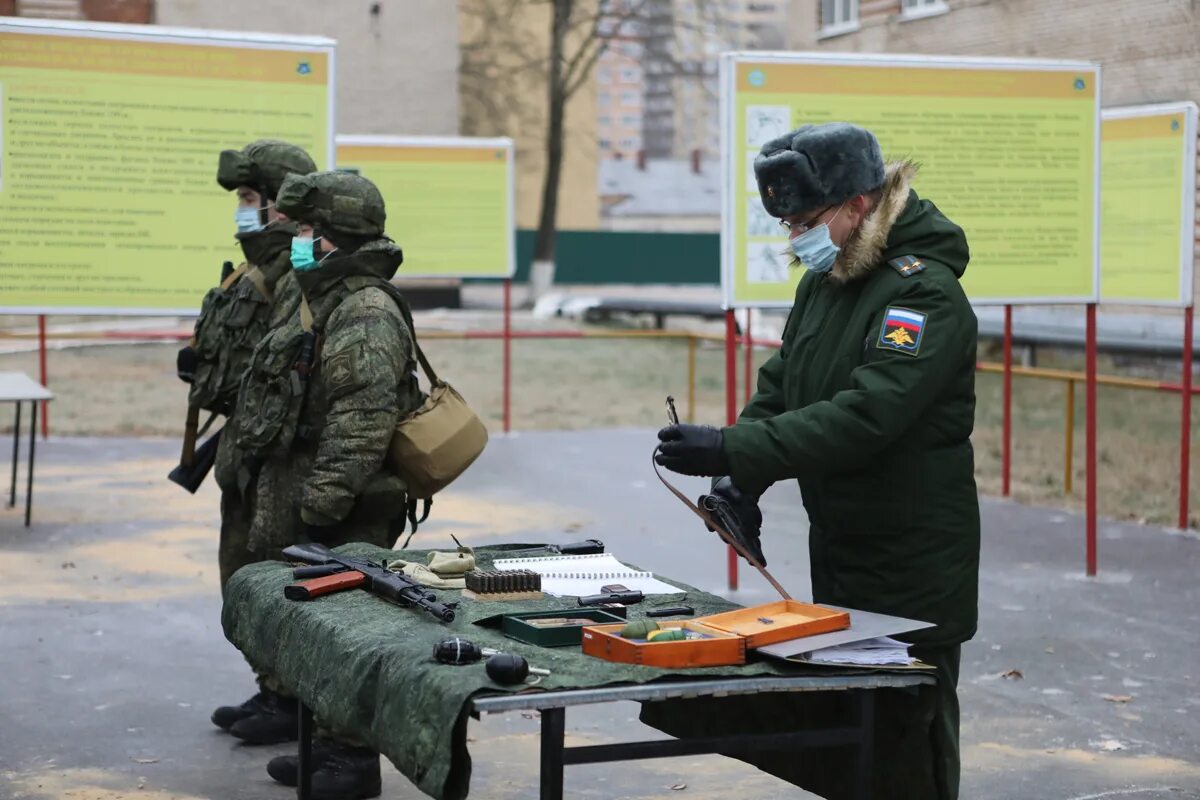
[1008, 149]
[1148, 196]
[449, 201]
[109, 140]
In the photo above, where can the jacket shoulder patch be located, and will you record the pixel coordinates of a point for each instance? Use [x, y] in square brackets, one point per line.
[902, 330]
[907, 266]
[342, 374]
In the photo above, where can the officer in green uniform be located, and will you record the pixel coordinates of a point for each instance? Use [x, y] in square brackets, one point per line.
[869, 404]
[234, 318]
[319, 402]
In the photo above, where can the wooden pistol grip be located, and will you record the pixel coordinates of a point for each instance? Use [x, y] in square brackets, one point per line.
[338, 582]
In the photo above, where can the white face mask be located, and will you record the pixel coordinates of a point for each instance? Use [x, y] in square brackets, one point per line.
[815, 248]
[248, 219]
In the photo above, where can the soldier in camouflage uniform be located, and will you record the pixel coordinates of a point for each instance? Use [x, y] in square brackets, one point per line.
[234, 318]
[318, 405]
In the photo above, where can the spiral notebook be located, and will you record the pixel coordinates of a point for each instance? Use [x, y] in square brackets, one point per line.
[576, 576]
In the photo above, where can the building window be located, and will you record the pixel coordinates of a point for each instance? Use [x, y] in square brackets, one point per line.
[605, 144]
[629, 98]
[838, 16]
[604, 75]
[630, 75]
[604, 120]
[917, 9]
[604, 99]
[631, 121]
[630, 144]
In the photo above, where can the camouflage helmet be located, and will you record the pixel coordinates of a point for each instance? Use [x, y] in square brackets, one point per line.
[336, 201]
[262, 165]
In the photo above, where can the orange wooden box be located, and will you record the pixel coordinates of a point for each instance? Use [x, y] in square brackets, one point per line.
[724, 648]
[790, 619]
[732, 633]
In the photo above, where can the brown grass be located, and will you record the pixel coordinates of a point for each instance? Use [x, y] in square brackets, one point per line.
[131, 390]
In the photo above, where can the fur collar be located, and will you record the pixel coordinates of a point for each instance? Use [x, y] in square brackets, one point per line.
[861, 253]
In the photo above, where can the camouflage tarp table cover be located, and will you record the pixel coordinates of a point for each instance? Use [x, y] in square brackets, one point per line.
[364, 665]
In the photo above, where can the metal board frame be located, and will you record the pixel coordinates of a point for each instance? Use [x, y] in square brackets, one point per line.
[728, 86]
[1187, 243]
[154, 33]
[480, 143]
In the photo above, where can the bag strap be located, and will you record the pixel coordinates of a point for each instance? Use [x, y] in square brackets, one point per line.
[252, 274]
[255, 276]
[233, 276]
[396, 295]
[306, 315]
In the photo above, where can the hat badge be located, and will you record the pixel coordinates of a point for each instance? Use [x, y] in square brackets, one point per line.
[770, 191]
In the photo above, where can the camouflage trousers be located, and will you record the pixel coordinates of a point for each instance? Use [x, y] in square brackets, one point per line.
[233, 553]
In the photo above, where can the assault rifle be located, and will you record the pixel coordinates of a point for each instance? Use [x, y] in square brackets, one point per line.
[336, 573]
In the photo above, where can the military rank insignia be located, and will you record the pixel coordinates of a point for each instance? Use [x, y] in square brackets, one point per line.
[907, 265]
[902, 330]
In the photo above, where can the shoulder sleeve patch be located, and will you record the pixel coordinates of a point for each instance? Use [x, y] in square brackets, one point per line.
[342, 374]
[907, 265]
[902, 330]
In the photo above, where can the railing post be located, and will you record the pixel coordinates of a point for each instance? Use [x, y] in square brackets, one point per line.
[1069, 451]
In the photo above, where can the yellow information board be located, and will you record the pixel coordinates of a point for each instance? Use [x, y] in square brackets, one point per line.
[449, 201]
[109, 140]
[1009, 149]
[1148, 219]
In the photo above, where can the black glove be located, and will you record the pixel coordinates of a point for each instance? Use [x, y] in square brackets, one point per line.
[738, 513]
[692, 450]
[185, 364]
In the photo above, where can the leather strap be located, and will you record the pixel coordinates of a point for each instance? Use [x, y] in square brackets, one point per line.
[190, 433]
[711, 522]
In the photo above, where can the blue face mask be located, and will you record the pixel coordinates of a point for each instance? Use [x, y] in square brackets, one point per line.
[302, 253]
[247, 219]
[815, 249]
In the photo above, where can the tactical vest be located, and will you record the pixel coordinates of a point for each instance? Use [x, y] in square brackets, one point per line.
[233, 319]
[273, 410]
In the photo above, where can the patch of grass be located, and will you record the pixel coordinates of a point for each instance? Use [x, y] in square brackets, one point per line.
[131, 390]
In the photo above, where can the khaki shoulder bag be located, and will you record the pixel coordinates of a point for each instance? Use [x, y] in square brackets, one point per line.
[436, 443]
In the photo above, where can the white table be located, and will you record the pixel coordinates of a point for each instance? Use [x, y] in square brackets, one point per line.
[18, 388]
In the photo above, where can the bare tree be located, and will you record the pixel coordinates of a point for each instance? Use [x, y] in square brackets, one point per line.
[499, 63]
[504, 58]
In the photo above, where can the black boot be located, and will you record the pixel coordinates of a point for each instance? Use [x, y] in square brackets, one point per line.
[275, 722]
[286, 769]
[225, 716]
[347, 773]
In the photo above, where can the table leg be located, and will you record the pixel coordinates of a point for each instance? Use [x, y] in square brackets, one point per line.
[12, 492]
[29, 475]
[554, 724]
[304, 753]
[866, 743]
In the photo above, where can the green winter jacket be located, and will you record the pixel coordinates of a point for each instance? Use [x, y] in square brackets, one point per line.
[314, 446]
[869, 404]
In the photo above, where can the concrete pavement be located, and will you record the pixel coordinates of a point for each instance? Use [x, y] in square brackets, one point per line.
[114, 657]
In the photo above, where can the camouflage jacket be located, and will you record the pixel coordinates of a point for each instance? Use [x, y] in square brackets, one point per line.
[314, 446]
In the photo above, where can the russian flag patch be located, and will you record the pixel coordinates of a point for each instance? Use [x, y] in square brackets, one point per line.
[902, 330]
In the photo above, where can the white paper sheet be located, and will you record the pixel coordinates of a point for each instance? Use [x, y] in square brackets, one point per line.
[576, 576]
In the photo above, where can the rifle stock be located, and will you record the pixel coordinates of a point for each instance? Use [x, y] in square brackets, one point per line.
[190, 476]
